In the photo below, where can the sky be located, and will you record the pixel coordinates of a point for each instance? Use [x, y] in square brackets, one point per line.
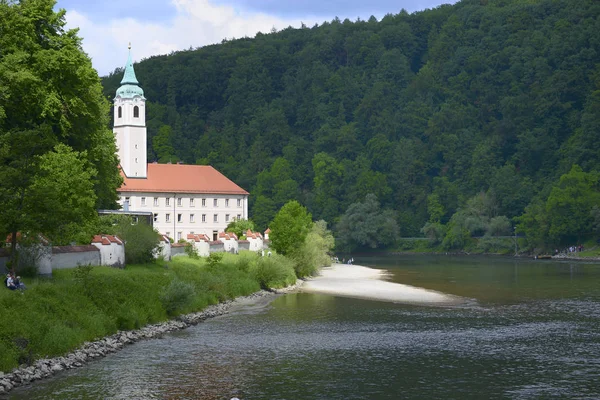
[155, 27]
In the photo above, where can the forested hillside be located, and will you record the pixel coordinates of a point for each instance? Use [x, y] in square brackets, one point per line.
[460, 120]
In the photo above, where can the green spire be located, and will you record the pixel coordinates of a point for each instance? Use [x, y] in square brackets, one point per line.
[129, 76]
[129, 84]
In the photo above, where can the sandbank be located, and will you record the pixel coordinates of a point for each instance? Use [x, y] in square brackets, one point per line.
[368, 283]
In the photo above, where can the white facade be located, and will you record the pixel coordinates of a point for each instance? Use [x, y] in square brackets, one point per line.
[177, 216]
[130, 135]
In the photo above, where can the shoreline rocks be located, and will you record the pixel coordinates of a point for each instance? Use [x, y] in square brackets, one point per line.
[89, 351]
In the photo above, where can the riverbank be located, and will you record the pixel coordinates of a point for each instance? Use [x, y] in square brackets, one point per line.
[84, 313]
[90, 351]
[368, 283]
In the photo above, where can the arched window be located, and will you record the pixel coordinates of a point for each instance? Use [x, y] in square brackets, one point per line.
[136, 112]
[120, 112]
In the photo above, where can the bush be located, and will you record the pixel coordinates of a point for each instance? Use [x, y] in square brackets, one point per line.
[213, 260]
[191, 251]
[274, 272]
[140, 241]
[177, 296]
[313, 252]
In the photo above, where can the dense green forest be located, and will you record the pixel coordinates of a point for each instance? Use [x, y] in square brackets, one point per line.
[464, 120]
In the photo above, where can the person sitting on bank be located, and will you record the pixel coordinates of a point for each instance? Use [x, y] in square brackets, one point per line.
[19, 285]
[10, 283]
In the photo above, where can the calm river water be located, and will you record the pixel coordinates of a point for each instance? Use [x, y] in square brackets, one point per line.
[531, 331]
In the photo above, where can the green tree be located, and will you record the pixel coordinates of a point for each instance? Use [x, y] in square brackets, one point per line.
[570, 205]
[314, 252]
[140, 240]
[49, 94]
[62, 192]
[162, 145]
[290, 228]
[366, 225]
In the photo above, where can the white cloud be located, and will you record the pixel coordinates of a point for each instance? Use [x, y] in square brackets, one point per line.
[196, 23]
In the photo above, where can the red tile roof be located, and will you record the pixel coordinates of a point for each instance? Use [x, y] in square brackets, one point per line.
[253, 235]
[107, 239]
[198, 237]
[180, 178]
[227, 235]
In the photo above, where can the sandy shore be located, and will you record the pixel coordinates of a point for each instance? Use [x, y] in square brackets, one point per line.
[368, 283]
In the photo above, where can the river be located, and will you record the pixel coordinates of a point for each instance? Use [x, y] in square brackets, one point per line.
[529, 330]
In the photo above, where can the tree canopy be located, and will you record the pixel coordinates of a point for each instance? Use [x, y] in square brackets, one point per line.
[57, 156]
[290, 227]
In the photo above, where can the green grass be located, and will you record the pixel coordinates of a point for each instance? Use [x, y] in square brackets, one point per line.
[55, 316]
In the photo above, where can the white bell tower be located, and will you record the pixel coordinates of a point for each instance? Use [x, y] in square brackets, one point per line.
[130, 124]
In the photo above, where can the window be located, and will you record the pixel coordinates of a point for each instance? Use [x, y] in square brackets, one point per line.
[203, 217]
[120, 112]
[239, 217]
[192, 202]
[156, 201]
[167, 217]
[168, 234]
[155, 217]
[203, 202]
[178, 236]
[191, 232]
[239, 202]
[179, 217]
[136, 146]
[167, 201]
[226, 217]
[192, 218]
[216, 202]
[179, 202]
[226, 202]
[136, 112]
[216, 217]
[127, 201]
[143, 201]
[136, 160]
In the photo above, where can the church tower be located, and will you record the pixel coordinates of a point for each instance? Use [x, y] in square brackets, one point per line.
[130, 124]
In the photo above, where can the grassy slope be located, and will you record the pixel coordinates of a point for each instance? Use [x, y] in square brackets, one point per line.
[53, 317]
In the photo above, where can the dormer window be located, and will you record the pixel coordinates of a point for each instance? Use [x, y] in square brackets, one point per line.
[136, 112]
[120, 112]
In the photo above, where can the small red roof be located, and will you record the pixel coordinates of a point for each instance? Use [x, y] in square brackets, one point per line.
[181, 178]
[227, 235]
[107, 239]
[198, 237]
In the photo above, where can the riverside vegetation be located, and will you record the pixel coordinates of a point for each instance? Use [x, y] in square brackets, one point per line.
[53, 317]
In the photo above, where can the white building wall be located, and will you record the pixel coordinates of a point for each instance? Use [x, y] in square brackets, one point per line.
[226, 210]
[112, 254]
[230, 245]
[130, 134]
[255, 244]
[72, 260]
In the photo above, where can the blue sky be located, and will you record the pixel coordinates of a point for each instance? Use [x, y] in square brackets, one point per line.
[161, 26]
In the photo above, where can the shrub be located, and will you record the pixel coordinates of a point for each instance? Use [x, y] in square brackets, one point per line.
[191, 251]
[313, 252]
[140, 241]
[213, 260]
[177, 296]
[274, 272]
